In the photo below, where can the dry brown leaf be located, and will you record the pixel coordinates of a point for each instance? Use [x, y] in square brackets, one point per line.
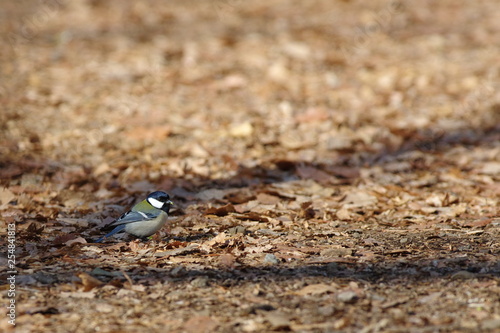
[219, 239]
[78, 240]
[435, 200]
[212, 194]
[232, 81]
[227, 260]
[336, 252]
[241, 130]
[141, 186]
[316, 289]
[310, 172]
[101, 169]
[478, 223]
[10, 171]
[251, 216]
[33, 231]
[278, 320]
[239, 197]
[452, 211]
[64, 238]
[202, 324]
[343, 214]
[343, 172]
[259, 248]
[175, 252]
[89, 282]
[220, 211]
[148, 133]
[78, 294]
[267, 199]
[313, 114]
[6, 196]
[358, 199]
[490, 168]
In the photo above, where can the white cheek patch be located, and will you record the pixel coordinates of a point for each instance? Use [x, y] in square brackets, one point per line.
[155, 203]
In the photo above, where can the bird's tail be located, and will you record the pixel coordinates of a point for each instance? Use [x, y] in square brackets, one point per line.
[115, 230]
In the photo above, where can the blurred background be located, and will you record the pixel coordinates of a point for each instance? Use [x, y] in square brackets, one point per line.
[162, 88]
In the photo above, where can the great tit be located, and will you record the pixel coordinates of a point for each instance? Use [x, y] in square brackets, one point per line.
[145, 218]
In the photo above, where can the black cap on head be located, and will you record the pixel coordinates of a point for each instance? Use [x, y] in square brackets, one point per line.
[160, 200]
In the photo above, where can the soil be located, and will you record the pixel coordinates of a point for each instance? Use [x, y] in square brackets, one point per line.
[334, 165]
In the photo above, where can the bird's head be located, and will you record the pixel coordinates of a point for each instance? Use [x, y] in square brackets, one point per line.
[160, 200]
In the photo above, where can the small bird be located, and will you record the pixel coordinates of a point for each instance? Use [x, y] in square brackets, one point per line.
[145, 218]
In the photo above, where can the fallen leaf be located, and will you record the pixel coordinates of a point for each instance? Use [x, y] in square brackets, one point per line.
[231, 81]
[478, 223]
[430, 298]
[490, 168]
[201, 324]
[78, 240]
[101, 169]
[343, 214]
[463, 275]
[359, 198]
[452, 211]
[78, 294]
[227, 260]
[313, 114]
[336, 252]
[175, 252]
[6, 196]
[219, 239]
[251, 216]
[343, 172]
[220, 211]
[310, 172]
[211, 194]
[241, 130]
[33, 231]
[267, 199]
[148, 133]
[64, 238]
[141, 186]
[278, 320]
[435, 200]
[89, 282]
[316, 289]
[82, 223]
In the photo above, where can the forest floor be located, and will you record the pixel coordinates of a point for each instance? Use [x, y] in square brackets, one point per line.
[335, 165]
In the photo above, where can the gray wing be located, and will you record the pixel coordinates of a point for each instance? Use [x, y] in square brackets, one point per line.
[131, 216]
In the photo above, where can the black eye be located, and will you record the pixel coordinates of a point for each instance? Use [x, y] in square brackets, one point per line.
[163, 199]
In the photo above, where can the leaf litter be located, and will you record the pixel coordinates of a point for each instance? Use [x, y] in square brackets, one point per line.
[320, 182]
